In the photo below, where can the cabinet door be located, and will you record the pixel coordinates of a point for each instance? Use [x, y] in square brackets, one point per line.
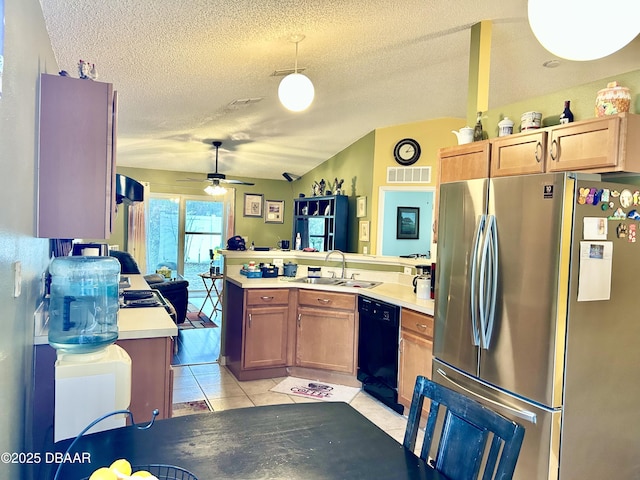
[584, 146]
[76, 167]
[415, 359]
[151, 377]
[464, 162]
[326, 339]
[518, 154]
[265, 339]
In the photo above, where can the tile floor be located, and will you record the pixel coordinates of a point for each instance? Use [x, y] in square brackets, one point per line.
[220, 389]
[198, 376]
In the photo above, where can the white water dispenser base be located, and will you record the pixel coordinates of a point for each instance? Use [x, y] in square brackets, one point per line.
[89, 385]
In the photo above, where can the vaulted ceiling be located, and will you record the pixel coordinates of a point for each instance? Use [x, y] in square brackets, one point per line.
[193, 71]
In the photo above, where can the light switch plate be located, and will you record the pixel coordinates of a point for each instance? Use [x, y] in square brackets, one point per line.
[407, 270]
[17, 279]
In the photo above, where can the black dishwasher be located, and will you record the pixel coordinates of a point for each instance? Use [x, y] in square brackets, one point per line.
[378, 350]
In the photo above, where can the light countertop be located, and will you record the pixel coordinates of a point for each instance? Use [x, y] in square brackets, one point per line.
[133, 323]
[394, 288]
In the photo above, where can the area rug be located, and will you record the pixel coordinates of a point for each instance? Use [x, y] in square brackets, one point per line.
[195, 320]
[327, 392]
[189, 408]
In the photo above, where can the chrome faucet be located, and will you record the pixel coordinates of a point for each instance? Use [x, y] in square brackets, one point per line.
[344, 264]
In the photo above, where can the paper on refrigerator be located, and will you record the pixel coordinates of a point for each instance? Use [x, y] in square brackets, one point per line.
[594, 279]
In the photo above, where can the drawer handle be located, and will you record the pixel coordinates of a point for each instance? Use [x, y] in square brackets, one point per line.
[324, 300]
[266, 299]
[538, 149]
[554, 150]
[422, 326]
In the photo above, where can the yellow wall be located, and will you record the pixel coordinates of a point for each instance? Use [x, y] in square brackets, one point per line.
[431, 135]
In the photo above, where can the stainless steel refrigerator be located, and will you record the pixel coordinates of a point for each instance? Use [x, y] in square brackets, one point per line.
[537, 315]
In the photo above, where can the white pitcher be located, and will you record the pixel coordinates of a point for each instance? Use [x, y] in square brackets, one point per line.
[465, 135]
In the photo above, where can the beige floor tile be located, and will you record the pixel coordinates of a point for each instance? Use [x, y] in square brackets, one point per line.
[185, 381]
[181, 370]
[396, 433]
[270, 398]
[209, 369]
[298, 399]
[187, 394]
[223, 390]
[210, 379]
[229, 403]
[257, 386]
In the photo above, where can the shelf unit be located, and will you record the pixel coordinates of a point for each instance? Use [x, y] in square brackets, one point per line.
[321, 222]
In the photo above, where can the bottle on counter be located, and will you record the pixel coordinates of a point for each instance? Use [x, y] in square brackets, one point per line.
[298, 241]
[566, 116]
[477, 131]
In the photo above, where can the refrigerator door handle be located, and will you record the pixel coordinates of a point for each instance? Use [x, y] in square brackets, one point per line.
[524, 414]
[490, 257]
[474, 301]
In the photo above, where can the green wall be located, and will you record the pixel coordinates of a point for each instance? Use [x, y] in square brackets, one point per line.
[253, 228]
[354, 164]
[582, 97]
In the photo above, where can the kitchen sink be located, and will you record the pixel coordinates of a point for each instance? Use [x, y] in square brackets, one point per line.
[338, 282]
[358, 283]
[319, 280]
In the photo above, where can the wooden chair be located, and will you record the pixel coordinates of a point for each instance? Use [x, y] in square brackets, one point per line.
[467, 429]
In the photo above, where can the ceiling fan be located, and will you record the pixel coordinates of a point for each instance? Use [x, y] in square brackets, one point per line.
[217, 178]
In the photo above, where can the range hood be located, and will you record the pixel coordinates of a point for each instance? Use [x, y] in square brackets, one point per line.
[128, 190]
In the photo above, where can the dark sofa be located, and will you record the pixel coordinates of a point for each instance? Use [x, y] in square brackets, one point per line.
[174, 291]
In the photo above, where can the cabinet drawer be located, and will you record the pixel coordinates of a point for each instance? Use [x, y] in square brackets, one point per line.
[273, 296]
[319, 298]
[417, 322]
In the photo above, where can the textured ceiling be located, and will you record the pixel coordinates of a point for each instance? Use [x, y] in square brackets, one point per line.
[179, 66]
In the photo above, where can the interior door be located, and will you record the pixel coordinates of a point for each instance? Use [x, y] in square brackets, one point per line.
[461, 206]
[529, 212]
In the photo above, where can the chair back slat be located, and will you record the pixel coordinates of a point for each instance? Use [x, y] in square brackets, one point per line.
[474, 441]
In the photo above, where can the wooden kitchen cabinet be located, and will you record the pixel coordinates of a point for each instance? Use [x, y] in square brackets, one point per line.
[76, 165]
[519, 154]
[416, 353]
[151, 376]
[266, 319]
[599, 145]
[257, 339]
[326, 331]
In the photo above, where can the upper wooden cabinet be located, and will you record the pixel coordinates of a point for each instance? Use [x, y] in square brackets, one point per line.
[599, 145]
[464, 162]
[76, 167]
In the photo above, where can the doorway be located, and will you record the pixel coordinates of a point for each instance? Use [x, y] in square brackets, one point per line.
[183, 233]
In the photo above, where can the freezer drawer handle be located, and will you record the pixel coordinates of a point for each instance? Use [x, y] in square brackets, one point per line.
[524, 414]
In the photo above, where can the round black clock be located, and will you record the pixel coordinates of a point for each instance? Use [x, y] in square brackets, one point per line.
[406, 151]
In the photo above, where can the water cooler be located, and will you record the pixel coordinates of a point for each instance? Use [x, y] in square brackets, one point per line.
[92, 375]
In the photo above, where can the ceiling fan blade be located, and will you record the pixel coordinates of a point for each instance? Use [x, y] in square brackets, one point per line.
[236, 182]
[191, 180]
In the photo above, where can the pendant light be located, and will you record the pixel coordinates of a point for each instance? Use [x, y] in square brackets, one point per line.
[581, 31]
[296, 91]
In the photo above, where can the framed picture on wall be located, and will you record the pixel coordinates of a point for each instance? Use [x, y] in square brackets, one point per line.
[364, 231]
[274, 211]
[361, 207]
[408, 223]
[252, 205]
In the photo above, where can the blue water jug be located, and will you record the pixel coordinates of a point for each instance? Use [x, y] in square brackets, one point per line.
[83, 307]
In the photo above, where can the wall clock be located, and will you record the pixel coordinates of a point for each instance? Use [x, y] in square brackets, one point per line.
[406, 151]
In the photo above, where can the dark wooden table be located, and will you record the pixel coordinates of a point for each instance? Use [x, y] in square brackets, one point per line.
[295, 441]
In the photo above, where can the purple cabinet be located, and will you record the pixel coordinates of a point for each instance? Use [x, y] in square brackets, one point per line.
[76, 166]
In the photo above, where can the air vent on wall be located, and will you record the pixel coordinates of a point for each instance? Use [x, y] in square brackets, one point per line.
[408, 174]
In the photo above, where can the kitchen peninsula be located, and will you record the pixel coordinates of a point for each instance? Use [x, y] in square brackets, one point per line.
[283, 326]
